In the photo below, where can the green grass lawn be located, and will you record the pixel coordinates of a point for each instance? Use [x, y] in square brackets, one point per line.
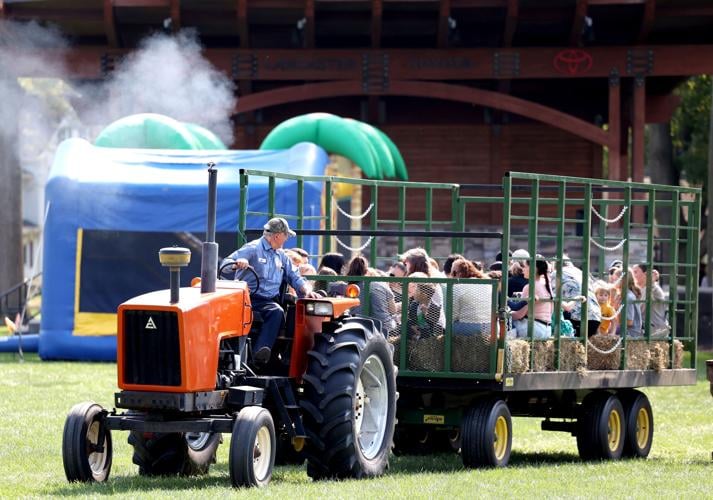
[35, 397]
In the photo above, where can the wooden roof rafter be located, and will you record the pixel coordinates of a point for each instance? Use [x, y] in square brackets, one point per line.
[510, 22]
[110, 24]
[241, 9]
[647, 20]
[580, 13]
[377, 23]
[175, 12]
[444, 14]
[309, 28]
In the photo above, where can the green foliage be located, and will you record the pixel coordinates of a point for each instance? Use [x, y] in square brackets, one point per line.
[35, 397]
[690, 126]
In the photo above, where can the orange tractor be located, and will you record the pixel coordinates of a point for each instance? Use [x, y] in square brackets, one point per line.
[186, 376]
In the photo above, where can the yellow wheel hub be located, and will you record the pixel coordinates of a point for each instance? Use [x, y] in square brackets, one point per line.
[614, 430]
[500, 444]
[643, 427]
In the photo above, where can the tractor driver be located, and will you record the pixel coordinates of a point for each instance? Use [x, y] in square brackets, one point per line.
[270, 262]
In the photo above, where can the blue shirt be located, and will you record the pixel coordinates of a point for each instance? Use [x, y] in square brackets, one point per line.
[269, 264]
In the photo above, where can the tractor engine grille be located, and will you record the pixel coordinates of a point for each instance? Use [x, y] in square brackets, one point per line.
[152, 354]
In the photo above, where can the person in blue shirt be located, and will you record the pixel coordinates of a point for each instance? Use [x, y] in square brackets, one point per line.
[270, 263]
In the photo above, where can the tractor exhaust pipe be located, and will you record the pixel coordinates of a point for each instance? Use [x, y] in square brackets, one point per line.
[209, 260]
[174, 258]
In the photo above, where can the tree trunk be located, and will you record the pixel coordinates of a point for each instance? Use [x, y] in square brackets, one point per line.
[662, 171]
[708, 241]
[10, 208]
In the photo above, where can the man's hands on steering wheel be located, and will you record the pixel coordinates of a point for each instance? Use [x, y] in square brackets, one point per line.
[243, 268]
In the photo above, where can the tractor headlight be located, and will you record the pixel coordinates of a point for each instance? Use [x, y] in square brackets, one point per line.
[319, 309]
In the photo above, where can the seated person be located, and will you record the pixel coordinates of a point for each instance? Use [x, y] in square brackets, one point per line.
[541, 305]
[601, 290]
[270, 263]
[472, 303]
[425, 315]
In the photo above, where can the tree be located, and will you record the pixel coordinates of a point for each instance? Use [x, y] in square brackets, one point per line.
[10, 207]
[690, 130]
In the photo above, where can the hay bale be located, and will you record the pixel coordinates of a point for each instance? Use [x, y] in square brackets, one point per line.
[573, 355]
[544, 358]
[426, 354]
[660, 354]
[517, 356]
[598, 355]
[678, 354]
[638, 355]
[471, 353]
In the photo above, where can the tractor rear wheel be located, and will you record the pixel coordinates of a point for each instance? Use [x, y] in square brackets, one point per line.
[349, 402]
[486, 433]
[166, 454]
[252, 448]
[86, 444]
[600, 427]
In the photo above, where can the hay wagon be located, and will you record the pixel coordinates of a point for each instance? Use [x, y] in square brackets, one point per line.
[459, 390]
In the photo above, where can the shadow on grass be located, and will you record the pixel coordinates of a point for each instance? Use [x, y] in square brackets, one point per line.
[134, 483]
[448, 462]
[218, 477]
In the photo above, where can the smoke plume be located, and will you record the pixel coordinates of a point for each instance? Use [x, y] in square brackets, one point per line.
[168, 75]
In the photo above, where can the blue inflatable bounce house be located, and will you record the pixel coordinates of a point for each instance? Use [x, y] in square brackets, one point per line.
[111, 210]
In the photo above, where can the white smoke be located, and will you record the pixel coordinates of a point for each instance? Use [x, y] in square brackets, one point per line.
[168, 75]
[29, 50]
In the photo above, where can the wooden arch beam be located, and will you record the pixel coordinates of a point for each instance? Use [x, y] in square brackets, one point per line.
[430, 90]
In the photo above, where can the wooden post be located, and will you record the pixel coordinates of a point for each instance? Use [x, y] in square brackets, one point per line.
[638, 127]
[614, 126]
[11, 269]
[709, 218]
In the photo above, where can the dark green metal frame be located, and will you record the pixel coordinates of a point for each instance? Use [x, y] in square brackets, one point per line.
[565, 194]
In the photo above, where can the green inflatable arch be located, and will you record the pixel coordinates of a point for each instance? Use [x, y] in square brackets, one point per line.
[383, 154]
[365, 145]
[206, 138]
[399, 163]
[154, 131]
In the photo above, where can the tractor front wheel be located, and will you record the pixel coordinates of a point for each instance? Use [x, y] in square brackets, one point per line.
[349, 402]
[86, 444]
[252, 448]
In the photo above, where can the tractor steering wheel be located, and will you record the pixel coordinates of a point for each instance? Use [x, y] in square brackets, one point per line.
[240, 273]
